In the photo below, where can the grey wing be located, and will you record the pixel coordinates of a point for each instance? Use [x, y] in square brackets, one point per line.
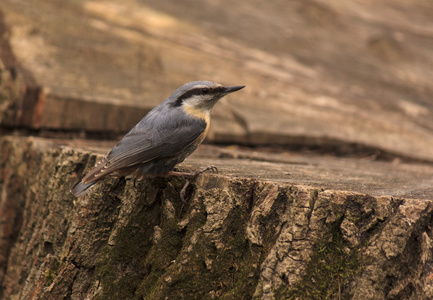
[148, 142]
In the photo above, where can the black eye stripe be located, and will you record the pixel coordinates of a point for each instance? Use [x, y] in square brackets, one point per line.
[197, 91]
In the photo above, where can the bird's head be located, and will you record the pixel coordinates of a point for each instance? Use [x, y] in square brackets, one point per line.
[201, 95]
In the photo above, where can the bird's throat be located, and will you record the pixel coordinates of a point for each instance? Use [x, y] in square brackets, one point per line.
[203, 114]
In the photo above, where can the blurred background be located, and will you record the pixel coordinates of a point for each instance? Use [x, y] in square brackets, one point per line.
[346, 76]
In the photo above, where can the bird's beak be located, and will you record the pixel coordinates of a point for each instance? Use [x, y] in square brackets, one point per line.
[231, 89]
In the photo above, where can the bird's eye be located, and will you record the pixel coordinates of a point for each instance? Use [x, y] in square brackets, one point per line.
[205, 91]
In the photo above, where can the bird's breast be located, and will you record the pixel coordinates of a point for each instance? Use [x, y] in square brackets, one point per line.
[201, 114]
[203, 135]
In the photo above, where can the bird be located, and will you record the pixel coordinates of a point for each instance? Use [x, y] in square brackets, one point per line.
[164, 137]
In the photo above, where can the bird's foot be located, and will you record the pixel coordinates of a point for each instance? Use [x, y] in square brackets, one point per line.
[210, 168]
[191, 177]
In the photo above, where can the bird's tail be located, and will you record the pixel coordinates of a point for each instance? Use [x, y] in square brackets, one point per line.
[79, 189]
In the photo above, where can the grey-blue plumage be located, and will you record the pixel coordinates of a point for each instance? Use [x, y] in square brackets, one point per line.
[167, 135]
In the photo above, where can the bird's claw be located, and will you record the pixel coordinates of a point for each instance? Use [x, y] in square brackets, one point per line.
[183, 191]
[194, 177]
[210, 168]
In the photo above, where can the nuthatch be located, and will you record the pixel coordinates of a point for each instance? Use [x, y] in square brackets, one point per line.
[167, 135]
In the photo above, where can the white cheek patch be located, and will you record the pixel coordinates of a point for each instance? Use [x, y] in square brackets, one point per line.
[198, 101]
[193, 101]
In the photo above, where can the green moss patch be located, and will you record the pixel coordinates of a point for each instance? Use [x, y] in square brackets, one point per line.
[52, 271]
[230, 273]
[121, 267]
[330, 271]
